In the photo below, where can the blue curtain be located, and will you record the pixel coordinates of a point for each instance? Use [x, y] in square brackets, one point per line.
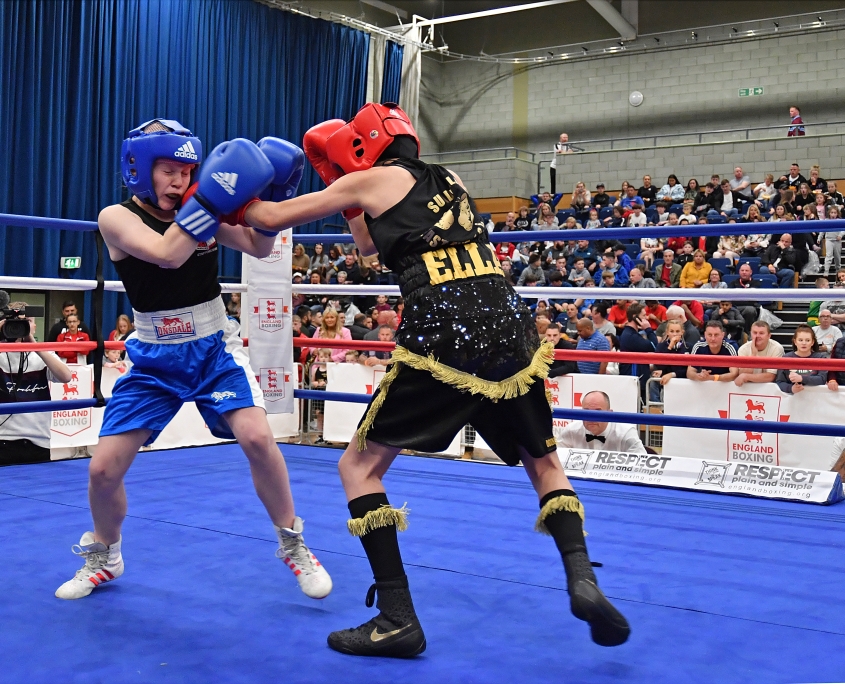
[392, 81]
[76, 76]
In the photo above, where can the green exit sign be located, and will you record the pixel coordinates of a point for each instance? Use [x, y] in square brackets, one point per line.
[70, 262]
[751, 92]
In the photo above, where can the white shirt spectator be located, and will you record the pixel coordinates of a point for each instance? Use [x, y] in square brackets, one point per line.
[765, 191]
[772, 350]
[827, 337]
[635, 221]
[617, 437]
[728, 202]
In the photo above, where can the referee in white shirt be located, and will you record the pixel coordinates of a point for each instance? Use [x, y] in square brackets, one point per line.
[600, 436]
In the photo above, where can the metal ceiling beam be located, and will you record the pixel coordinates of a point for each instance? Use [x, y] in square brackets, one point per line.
[385, 7]
[612, 17]
[422, 21]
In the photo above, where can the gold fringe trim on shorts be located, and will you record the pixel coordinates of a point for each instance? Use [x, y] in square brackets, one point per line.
[559, 503]
[382, 517]
[375, 405]
[514, 386]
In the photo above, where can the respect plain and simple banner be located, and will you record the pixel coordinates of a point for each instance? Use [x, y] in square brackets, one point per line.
[806, 485]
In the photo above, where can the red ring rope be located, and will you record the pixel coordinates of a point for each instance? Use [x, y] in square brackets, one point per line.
[560, 354]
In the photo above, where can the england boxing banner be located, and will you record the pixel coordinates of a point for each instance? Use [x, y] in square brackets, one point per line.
[270, 340]
[752, 402]
[566, 392]
[75, 427]
[806, 485]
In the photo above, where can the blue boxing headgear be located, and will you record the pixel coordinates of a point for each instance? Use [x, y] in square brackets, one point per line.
[155, 139]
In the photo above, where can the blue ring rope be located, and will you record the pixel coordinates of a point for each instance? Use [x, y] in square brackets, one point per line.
[45, 406]
[716, 229]
[637, 418]
[574, 414]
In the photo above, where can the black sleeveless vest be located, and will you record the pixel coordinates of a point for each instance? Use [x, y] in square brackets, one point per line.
[152, 288]
[459, 307]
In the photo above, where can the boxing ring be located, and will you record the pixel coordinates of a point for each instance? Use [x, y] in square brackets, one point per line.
[716, 588]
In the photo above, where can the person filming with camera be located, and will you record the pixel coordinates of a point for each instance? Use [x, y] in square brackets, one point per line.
[25, 376]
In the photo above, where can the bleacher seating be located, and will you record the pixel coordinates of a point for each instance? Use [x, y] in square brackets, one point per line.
[754, 262]
[724, 266]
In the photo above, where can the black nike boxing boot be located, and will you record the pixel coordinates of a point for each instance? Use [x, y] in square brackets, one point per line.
[394, 633]
[561, 516]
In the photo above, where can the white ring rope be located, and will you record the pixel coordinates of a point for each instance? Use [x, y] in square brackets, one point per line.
[83, 285]
[660, 293]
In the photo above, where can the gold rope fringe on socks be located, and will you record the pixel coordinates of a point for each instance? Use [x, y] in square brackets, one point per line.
[367, 423]
[514, 386]
[559, 503]
[383, 517]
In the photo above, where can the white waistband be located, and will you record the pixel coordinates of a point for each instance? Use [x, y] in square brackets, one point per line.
[175, 326]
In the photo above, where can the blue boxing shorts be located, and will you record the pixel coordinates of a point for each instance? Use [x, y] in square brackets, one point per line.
[189, 354]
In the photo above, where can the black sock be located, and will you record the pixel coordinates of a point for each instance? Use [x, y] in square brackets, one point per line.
[381, 544]
[565, 527]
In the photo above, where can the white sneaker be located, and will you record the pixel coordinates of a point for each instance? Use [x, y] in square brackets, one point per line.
[311, 575]
[102, 564]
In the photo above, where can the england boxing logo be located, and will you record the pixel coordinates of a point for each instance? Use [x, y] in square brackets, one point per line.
[174, 327]
[750, 445]
[271, 313]
[68, 423]
[274, 255]
[186, 151]
[273, 382]
[227, 181]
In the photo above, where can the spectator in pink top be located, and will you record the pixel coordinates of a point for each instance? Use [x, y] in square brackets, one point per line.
[332, 329]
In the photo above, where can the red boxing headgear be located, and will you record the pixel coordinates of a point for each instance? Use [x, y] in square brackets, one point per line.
[360, 143]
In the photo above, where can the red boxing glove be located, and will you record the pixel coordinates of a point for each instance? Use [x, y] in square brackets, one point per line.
[314, 146]
[237, 217]
[188, 193]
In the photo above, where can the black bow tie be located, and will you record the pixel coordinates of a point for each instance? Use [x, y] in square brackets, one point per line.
[601, 439]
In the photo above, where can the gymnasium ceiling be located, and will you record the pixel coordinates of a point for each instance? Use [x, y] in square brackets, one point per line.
[556, 25]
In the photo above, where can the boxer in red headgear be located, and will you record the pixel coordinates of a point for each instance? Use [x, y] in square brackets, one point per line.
[467, 352]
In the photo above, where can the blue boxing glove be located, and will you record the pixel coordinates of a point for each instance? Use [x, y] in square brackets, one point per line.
[289, 162]
[234, 172]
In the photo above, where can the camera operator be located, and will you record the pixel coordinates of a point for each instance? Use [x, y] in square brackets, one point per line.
[25, 437]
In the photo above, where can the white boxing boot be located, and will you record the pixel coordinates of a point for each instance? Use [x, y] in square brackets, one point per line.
[102, 564]
[311, 575]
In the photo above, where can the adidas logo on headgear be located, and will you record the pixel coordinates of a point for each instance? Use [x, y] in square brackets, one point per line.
[186, 151]
[227, 180]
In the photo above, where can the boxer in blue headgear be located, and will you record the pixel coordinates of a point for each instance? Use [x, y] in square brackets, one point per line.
[185, 348]
[151, 141]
